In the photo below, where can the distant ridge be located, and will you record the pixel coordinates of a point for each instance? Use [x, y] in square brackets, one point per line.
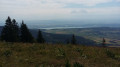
[61, 38]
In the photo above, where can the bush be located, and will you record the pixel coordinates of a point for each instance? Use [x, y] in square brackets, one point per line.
[110, 54]
[7, 53]
[79, 50]
[60, 52]
[1, 65]
[117, 57]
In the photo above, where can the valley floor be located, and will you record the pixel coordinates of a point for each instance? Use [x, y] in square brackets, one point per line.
[57, 55]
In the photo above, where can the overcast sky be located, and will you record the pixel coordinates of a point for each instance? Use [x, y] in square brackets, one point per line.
[60, 9]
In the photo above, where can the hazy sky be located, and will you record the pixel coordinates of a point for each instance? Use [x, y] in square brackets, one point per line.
[60, 9]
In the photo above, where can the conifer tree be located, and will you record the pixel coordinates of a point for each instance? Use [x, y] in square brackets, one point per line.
[15, 31]
[73, 41]
[10, 31]
[67, 41]
[40, 38]
[104, 42]
[25, 35]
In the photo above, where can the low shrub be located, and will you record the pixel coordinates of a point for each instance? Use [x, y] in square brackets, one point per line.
[76, 64]
[67, 64]
[7, 53]
[60, 52]
[112, 55]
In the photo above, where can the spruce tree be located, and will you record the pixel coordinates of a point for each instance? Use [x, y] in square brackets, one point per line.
[25, 35]
[104, 42]
[67, 41]
[15, 31]
[10, 31]
[73, 41]
[40, 38]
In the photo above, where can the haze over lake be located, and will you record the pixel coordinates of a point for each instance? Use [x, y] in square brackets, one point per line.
[61, 24]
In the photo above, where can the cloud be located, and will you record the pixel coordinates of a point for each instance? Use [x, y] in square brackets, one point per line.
[51, 3]
[63, 11]
[118, 0]
[54, 9]
[82, 11]
[85, 2]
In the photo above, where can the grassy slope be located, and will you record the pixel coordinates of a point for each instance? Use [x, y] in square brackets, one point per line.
[37, 55]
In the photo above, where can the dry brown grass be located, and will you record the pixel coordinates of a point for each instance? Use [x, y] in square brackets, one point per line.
[48, 55]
